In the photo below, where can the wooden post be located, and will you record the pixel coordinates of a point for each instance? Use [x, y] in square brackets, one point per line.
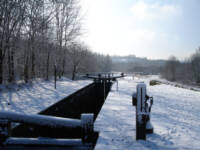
[87, 124]
[140, 112]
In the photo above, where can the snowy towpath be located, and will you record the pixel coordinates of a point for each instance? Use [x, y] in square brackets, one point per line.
[175, 117]
[31, 99]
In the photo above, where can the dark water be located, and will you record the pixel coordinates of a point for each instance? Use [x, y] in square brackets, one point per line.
[89, 99]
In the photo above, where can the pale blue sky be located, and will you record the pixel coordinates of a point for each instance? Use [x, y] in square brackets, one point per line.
[147, 28]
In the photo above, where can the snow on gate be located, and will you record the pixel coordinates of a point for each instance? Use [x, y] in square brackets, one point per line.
[86, 125]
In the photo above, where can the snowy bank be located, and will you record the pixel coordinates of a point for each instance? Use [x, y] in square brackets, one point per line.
[175, 117]
[31, 99]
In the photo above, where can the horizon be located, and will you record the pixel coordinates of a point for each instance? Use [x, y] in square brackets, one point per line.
[135, 56]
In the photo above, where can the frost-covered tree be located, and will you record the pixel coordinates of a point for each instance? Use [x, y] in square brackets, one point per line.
[195, 65]
[76, 56]
[169, 71]
[12, 14]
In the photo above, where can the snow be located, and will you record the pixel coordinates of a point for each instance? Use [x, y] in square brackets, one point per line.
[43, 141]
[87, 121]
[141, 92]
[193, 87]
[175, 117]
[41, 120]
[175, 112]
[35, 97]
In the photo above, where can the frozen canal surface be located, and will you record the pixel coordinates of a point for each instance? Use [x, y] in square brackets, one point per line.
[175, 117]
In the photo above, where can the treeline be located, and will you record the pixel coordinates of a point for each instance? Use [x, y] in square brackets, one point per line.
[132, 63]
[39, 36]
[186, 71]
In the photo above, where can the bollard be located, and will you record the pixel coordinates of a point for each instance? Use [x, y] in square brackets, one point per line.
[143, 105]
[140, 112]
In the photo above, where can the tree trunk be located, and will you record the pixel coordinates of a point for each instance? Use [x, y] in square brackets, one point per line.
[55, 75]
[63, 66]
[1, 70]
[59, 72]
[47, 66]
[32, 64]
[26, 76]
[10, 65]
[1, 65]
[74, 73]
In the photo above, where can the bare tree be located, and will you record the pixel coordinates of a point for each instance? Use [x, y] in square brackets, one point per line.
[35, 34]
[11, 19]
[170, 69]
[89, 62]
[67, 28]
[107, 64]
[76, 55]
[195, 65]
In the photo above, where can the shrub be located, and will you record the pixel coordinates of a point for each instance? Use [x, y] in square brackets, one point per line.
[154, 82]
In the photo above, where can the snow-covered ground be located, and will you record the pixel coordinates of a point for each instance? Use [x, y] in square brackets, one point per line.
[175, 113]
[37, 96]
[190, 86]
[175, 117]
